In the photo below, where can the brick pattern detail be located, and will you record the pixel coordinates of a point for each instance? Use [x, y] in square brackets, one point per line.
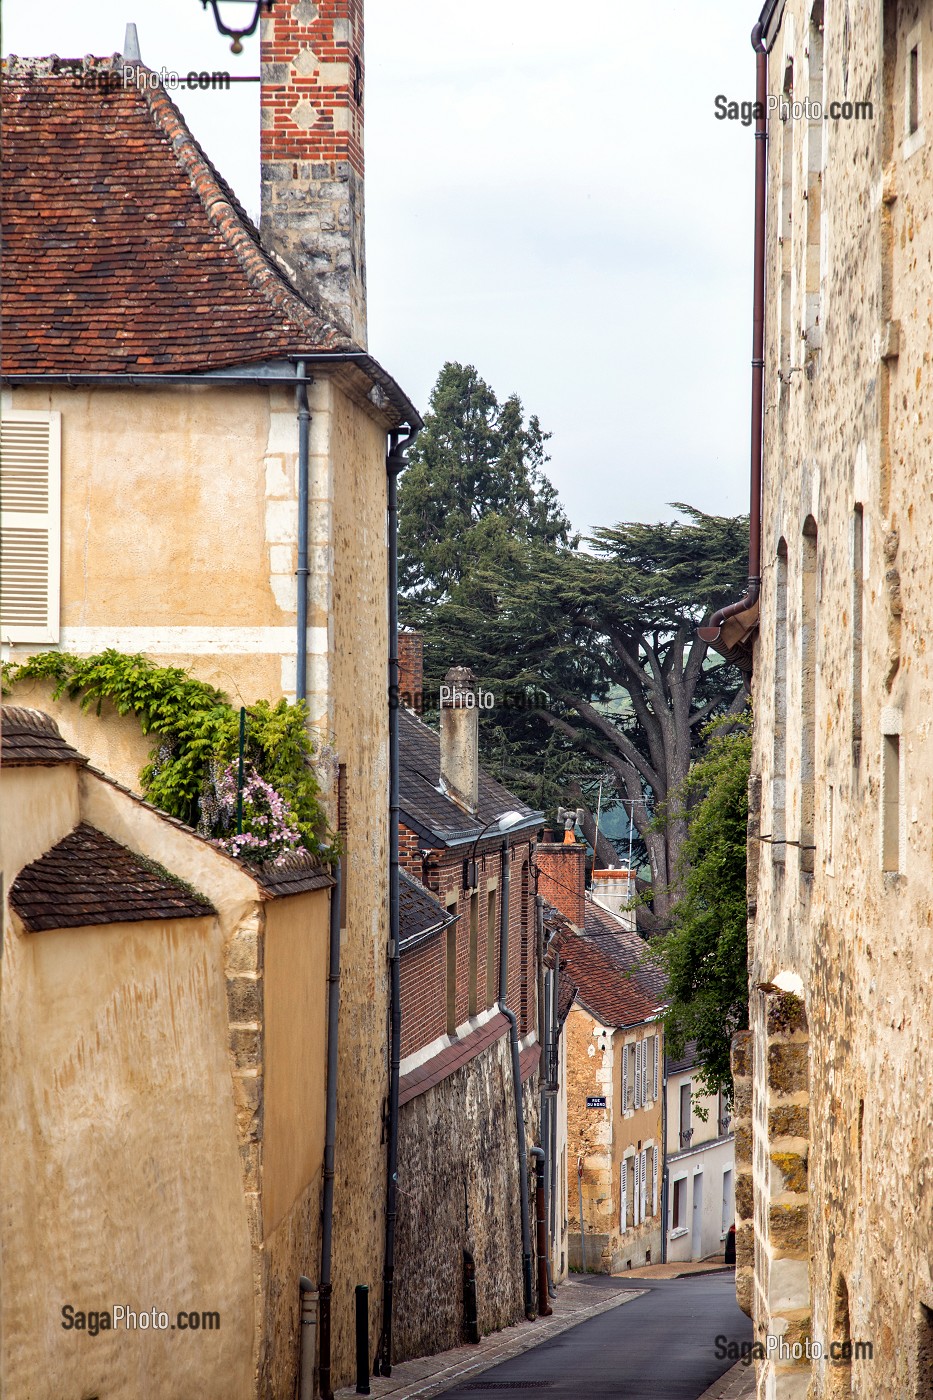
[411, 669]
[311, 147]
[424, 967]
[562, 879]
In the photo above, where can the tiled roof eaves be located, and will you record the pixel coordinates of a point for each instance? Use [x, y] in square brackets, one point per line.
[218, 201]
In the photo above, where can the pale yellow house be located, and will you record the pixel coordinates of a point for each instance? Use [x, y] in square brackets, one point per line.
[195, 453]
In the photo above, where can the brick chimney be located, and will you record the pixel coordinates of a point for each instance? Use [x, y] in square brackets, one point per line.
[311, 145]
[460, 737]
[411, 670]
[562, 877]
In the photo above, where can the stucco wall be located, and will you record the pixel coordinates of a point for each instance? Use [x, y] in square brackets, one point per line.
[108, 1205]
[458, 1189]
[850, 429]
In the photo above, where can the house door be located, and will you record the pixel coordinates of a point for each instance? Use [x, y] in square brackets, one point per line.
[696, 1224]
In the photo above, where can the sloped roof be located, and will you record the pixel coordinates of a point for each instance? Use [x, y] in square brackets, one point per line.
[297, 873]
[123, 248]
[686, 1061]
[606, 962]
[625, 949]
[88, 878]
[31, 738]
[426, 808]
[419, 913]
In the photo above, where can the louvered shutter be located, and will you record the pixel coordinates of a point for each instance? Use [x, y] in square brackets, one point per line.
[636, 1190]
[654, 1179]
[638, 1045]
[644, 1071]
[624, 1078]
[657, 1057]
[30, 526]
[623, 1201]
[644, 1182]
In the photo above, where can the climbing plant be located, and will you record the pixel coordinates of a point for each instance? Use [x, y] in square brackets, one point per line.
[196, 729]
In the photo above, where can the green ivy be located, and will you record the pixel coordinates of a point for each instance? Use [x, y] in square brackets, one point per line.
[197, 730]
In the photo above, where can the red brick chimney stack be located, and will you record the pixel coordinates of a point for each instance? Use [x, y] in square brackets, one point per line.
[562, 877]
[311, 145]
[411, 670]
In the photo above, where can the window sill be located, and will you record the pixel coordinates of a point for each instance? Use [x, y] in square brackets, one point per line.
[678, 1233]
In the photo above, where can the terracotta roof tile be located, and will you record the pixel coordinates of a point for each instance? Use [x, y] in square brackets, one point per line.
[607, 962]
[88, 878]
[123, 248]
[419, 914]
[298, 873]
[29, 737]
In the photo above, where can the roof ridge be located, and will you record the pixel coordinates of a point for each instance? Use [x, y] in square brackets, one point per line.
[231, 220]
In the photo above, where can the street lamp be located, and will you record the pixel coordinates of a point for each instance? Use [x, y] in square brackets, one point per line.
[502, 824]
[237, 34]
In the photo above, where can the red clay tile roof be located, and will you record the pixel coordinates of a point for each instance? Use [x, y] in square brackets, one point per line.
[123, 249]
[607, 963]
[90, 879]
[419, 914]
[29, 737]
[297, 873]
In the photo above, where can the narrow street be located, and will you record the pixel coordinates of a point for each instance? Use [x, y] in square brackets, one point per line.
[660, 1346]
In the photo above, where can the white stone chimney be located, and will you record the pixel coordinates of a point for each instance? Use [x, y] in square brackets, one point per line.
[614, 889]
[460, 738]
[311, 145]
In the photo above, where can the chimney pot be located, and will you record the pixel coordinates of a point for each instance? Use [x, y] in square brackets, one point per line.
[460, 738]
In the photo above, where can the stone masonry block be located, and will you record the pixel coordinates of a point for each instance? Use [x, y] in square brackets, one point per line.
[787, 1068]
[788, 1230]
[789, 1120]
[744, 1196]
[792, 1168]
[742, 1050]
[787, 1014]
[743, 1144]
[244, 999]
[745, 1289]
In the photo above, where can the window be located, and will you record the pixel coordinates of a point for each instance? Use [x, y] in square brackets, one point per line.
[492, 943]
[912, 87]
[913, 90]
[638, 1191]
[728, 1200]
[629, 1076]
[623, 1197]
[815, 136]
[452, 969]
[30, 527]
[657, 1058]
[858, 588]
[808, 633]
[785, 219]
[644, 1072]
[679, 1204]
[891, 803]
[686, 1130]
[644, 1183]
[779, 759]
[638, 1048]
[655, 1172]
[474, 950]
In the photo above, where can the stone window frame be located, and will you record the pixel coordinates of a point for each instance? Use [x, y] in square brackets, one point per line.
[676, 1232]
[913, 139]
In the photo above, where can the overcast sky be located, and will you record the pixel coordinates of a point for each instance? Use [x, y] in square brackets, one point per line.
[549, 196]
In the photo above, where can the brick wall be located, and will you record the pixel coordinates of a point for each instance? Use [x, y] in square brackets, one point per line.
[562, 878]
[311, 146]
[424, 968]
[411, 669]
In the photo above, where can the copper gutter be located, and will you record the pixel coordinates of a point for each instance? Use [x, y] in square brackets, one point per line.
[711, 632]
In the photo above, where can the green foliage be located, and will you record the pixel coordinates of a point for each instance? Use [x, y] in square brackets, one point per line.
[197, 731]
[705, 954]
[474, 484]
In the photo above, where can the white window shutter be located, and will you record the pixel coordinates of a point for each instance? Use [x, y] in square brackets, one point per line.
[623, 1197]
[30, 526]
[624, 1078]
[638, 1045]
[657, 1057]
[636, 1192]
[654, 1178]
[644, 1071]
[644, 1182]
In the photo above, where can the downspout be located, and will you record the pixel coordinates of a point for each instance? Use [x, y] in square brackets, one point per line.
[304, 433]
[664, 1174]
[517, 1082]
[395, 462]
[711, 631]
[330, 1136]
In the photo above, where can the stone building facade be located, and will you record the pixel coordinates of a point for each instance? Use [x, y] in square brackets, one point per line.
[834, 1119]
[614, 1058]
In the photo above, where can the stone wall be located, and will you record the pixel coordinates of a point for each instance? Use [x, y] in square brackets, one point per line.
[459, 1189]
[842, 689]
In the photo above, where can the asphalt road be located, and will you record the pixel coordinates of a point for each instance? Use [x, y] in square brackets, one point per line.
[660, 1346]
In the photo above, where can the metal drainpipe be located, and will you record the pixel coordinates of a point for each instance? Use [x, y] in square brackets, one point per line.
[710, 633]
[664, 1175]
[395, 462]
[304, 430]
[517, 1083]
[330, 1136]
